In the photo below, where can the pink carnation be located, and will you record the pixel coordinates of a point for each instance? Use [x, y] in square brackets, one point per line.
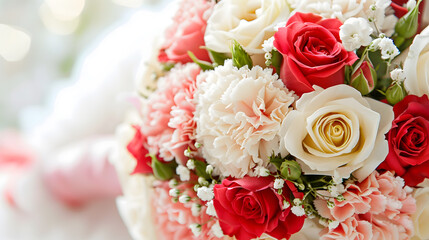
[380, 200]
[168, 120]
[172, 219]
[351, 228]
[187, 32]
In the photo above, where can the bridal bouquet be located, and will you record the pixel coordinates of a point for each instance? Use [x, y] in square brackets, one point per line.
[275, 119]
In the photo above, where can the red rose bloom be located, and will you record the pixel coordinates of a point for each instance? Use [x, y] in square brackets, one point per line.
[409, 139]
[136, 148]
[250, 206]
[312, 53]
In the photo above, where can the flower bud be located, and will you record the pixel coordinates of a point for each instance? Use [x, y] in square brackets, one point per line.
[395, 93]
[407, 26]
[364, 78]
[202, 181]
[209, 169]
[290, 170]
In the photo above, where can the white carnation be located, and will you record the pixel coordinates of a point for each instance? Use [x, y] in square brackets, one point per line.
[354, 37]
[238, 114]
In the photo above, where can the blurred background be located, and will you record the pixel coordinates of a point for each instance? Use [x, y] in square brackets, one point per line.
[42, 41]
[64, 68]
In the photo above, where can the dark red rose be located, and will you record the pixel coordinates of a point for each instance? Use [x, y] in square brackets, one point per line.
[136, 148]
[312, 53]
[250, 206]
[409, 139]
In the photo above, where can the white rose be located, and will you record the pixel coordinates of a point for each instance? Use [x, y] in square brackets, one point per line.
[239, 113]
[250, 22]
[310, 230]
[416, 66]
[376, 10]
[337, 132]
[421, 216]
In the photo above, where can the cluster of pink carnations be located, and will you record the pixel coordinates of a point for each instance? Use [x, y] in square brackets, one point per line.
[276, 119]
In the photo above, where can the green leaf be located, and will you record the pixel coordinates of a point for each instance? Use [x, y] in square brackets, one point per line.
[379, 64]
[167, 66]
[203, 64]
[276, 60]
[200, 169]
[240, 57]
[217, 58]
[348, 73]
[276, 160]
[163, 171]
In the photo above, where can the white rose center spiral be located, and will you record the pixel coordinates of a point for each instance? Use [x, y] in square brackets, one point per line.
[331, 134]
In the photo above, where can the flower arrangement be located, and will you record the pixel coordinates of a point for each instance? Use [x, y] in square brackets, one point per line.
[274, 119]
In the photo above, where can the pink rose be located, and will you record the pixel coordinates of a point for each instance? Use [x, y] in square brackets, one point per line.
[312, 53]
[250, 206]
[187, 32]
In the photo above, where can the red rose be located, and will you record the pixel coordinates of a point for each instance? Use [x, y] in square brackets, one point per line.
[409, 139]
[136, 148]
[312, 53]
[186, 32]
[250, 206]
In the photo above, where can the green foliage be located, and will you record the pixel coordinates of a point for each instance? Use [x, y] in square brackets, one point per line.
[240, 57]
